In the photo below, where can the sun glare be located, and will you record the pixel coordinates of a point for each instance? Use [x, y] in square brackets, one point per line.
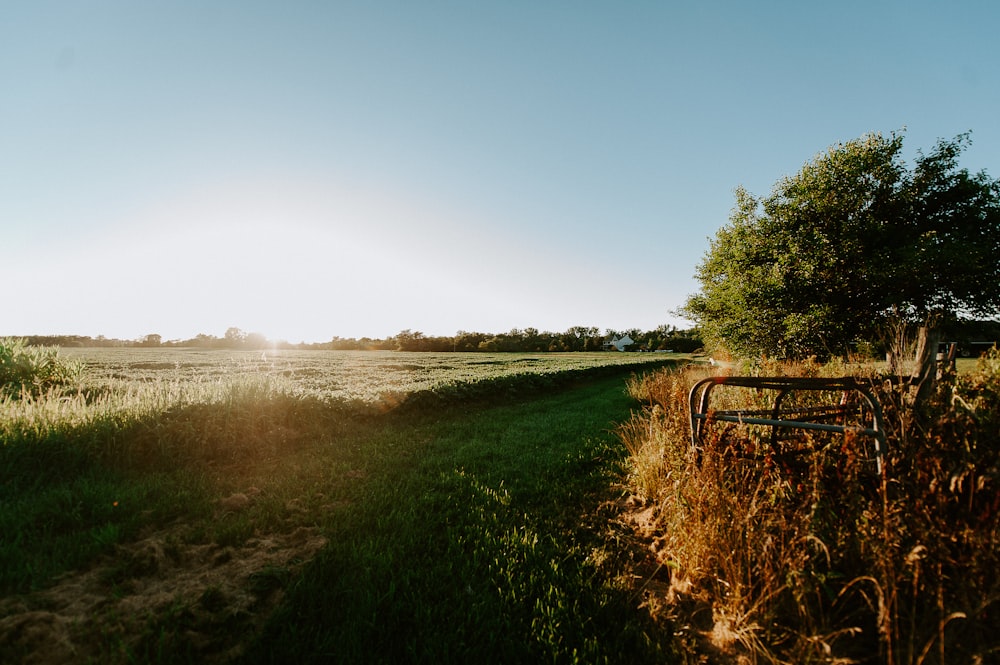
[297, 264]
[289, 268]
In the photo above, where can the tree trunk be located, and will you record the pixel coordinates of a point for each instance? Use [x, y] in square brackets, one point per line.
[925, 373]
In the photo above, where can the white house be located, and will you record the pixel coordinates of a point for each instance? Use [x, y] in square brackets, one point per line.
[619, 343]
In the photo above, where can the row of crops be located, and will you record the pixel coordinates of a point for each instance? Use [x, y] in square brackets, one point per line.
[366, 376]
[117, 390]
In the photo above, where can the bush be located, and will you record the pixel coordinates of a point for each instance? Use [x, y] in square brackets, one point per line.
[33, 369]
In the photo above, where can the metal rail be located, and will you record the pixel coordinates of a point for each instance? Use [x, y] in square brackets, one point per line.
[867, 408]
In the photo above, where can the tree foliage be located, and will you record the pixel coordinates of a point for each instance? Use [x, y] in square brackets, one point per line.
[852, 241]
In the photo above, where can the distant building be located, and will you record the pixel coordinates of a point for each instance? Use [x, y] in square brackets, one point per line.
[618, 343]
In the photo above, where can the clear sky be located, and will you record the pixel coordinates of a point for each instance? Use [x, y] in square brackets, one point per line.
[306, 169]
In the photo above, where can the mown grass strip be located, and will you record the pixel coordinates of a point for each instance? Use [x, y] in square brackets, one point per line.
[469, 544]
[67, 525]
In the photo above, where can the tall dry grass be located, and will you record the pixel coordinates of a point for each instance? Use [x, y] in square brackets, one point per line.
[823, 560]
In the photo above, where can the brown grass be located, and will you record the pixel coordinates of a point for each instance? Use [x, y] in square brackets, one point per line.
[823, 560]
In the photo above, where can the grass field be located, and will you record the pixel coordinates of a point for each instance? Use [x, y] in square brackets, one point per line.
[176, 506]
[180, 506]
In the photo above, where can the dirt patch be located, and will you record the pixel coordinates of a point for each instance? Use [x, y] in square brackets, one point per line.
[669, 598]
[157, 595]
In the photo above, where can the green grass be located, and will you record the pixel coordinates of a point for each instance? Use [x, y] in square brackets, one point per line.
[29, 370]
[462, 526]
[472, 541]
[67, 525]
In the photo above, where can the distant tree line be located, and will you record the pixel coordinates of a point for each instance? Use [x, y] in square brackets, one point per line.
[577, 338]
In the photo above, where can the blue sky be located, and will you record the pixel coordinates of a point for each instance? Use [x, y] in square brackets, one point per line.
[311, 169]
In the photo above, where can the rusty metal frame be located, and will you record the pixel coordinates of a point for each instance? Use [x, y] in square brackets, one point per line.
[808, 418]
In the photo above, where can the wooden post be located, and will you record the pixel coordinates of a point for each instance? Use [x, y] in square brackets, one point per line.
[925, 373]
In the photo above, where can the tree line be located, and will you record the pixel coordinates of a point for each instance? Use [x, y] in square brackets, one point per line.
[576, 338]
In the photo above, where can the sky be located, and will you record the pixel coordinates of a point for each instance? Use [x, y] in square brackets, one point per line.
[311, 169]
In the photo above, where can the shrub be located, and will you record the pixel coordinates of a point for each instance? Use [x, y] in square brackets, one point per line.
[33, 370]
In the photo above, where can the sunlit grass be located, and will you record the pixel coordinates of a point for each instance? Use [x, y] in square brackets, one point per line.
[432, 492]
[472, 543]
[28, 370]
[821, 561]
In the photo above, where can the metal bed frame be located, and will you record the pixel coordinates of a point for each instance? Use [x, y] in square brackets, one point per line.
[856, 401]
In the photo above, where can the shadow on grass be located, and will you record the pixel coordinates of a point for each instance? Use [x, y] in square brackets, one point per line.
[483, 549]
[454, 522]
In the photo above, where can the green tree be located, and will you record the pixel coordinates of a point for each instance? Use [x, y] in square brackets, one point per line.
[152, 339]
[408, 340]
[850, 244]
[256, 341]
[234, 337]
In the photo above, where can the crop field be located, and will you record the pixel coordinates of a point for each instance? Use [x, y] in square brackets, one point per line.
[352, 375]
